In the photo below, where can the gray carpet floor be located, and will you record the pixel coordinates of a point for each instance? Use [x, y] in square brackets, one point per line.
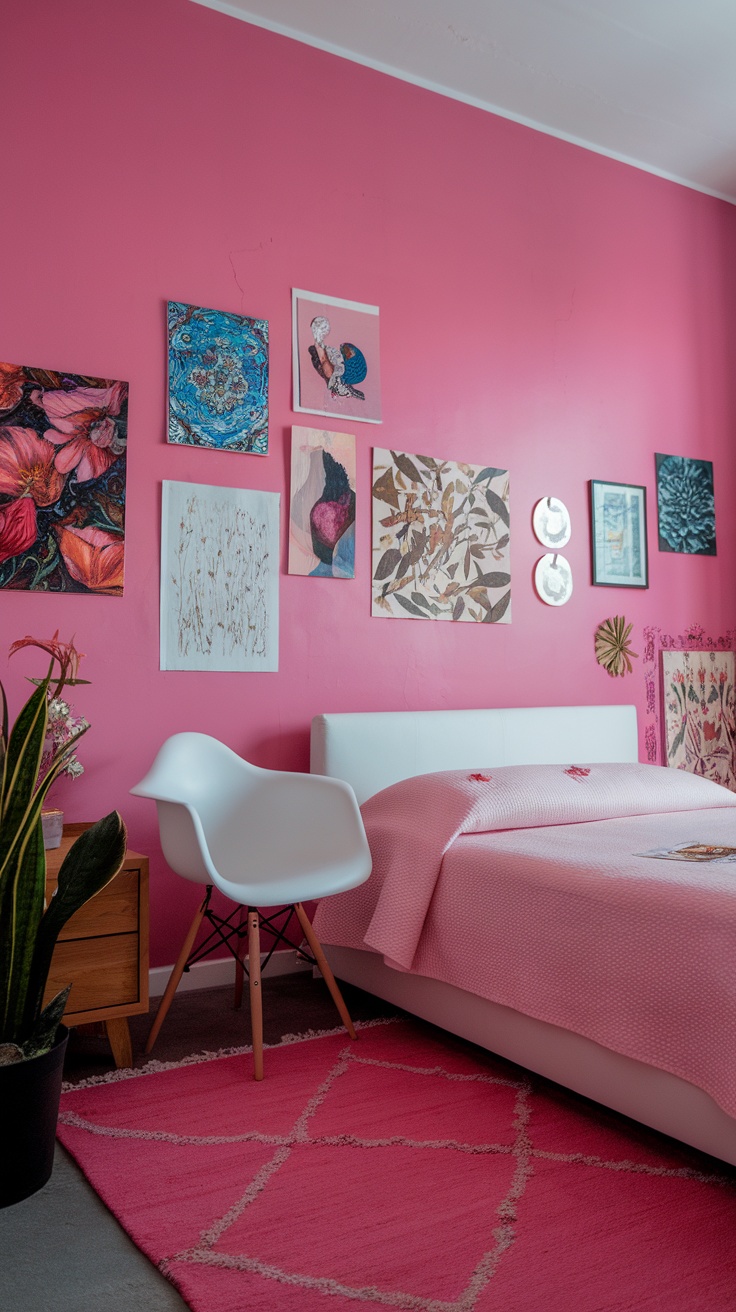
[61, 1250]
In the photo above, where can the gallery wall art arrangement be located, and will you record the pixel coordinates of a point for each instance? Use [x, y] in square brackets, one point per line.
[218, 379]
[440, 539]
[543, 310]
[322, 506]
[219, 578]
[63, 443]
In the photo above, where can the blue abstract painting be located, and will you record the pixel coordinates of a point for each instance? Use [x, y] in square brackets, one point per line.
[218, 379]
[686, 505]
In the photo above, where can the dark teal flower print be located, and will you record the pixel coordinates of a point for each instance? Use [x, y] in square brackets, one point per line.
[687, 517]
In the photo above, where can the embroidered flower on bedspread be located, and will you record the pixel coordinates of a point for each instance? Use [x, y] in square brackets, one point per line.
[578, 771]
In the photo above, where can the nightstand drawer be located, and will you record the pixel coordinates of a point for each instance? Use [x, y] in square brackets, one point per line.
[103, 972]
[112, 911]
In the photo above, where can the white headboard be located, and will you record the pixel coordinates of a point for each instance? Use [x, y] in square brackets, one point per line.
[372, 750]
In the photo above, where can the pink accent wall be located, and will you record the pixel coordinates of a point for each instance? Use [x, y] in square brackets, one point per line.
[542, 308]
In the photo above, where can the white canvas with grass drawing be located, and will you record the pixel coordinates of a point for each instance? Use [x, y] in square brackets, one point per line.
[219, 578]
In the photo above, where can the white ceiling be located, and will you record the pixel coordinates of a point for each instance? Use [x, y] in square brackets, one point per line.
[650, 82]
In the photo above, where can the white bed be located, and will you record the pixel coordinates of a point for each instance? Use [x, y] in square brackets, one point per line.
[371, 751]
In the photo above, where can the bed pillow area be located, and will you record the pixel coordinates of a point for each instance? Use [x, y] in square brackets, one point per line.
[412, 824]
[527, 796]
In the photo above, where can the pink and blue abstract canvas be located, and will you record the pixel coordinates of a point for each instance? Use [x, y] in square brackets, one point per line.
[322, 511]
[218, 379]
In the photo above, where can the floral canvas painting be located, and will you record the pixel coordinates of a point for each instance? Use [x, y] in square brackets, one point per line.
[686, 505]
[219, 578]
[322, 511]
[699, 713]
[62, 481]
[218, 379]
[440, 540]
[336, 361]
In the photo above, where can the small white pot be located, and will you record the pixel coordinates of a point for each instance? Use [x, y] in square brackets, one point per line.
[52, 823]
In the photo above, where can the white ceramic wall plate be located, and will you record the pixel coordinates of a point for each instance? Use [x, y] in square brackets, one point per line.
[551, 523]
[553, 579]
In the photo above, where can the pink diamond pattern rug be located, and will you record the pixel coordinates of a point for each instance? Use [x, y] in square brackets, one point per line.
[406, 1170]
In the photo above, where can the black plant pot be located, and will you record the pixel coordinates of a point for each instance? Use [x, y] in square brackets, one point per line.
[29, 1098]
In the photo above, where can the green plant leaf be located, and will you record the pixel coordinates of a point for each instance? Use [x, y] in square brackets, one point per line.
[43, 1036]
[21, 909]
[91, 862]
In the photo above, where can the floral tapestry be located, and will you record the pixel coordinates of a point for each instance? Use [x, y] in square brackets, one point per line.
[440, 540]
[218, 379]
[62, 481]
[699, 723]
[686, 506]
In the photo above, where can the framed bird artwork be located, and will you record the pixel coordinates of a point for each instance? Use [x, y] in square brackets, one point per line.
[336, 357]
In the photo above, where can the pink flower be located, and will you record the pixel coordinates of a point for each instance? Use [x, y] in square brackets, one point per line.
[12, 377]
[93, 557]
[27, 466]
[17, 527]
[84, 427]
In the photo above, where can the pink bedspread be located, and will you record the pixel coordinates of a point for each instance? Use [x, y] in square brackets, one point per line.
[526, 888]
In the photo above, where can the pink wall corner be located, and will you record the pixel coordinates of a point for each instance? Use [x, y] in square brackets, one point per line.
[542, 308]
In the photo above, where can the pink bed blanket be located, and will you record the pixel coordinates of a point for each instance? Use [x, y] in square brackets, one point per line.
[526, 885]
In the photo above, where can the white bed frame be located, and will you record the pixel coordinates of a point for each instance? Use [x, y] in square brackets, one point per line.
[371, 751]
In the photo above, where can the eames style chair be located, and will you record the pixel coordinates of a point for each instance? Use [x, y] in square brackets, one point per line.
[264, 838]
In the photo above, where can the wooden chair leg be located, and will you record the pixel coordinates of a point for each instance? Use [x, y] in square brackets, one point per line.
[322, 962]
[239, 970]
[176, 975]
[254, 974]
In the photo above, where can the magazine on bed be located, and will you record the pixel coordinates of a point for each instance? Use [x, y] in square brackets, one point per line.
[693, 852]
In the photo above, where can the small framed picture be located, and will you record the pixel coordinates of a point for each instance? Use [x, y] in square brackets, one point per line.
[336, 359]
[618, 521]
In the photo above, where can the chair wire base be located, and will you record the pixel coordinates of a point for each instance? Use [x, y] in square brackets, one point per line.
[230, 931]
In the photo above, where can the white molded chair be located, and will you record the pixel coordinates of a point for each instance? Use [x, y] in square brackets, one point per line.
[263, 838]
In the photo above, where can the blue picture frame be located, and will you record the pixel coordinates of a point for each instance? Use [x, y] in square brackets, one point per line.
[618, 517]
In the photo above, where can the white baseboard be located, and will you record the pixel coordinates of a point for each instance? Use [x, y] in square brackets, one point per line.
[210, 974]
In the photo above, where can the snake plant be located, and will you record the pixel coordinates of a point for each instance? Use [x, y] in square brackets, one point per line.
[28, 928]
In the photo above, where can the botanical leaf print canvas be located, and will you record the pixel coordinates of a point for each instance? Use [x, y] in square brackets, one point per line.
[218, 379]
[699, 713]
[440, 539]
[62, 481]
[686, 505]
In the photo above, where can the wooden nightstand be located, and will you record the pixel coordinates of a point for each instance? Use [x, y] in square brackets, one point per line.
[103, 950]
